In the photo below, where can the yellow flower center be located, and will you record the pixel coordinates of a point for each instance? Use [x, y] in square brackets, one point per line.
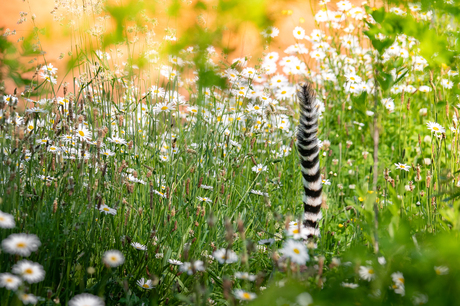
[28, 271]
[246, 296]
[145, 285]
[20, 245]
[82, 134]
[370, 271]
[297, 251]
[106, 209]
[164, 108]
[435, 128]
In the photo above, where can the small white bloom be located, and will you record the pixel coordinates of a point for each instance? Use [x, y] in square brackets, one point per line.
[350, 285]
[9, 281]
[6, 220]
[21, 244]
[225, 256]
[86, 299]
[296, 251]
[366, 273]
[190, 268]
[259, 168]
[138, 246]
[402, 166]
[31, 272]
[145, 284]
[113, 258]
[398, 278]
[244, 295]
[175, 262]
[441, 270]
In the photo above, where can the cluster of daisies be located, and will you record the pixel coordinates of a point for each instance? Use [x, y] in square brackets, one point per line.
[24, 272]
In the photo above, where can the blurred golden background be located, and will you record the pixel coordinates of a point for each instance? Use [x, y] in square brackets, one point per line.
[246, 41]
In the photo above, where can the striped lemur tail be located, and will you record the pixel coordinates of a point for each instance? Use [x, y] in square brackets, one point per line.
[307, 145]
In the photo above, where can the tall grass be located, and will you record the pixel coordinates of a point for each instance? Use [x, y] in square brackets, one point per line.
[197, 184]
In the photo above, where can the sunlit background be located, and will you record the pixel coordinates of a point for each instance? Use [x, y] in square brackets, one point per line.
[55, 36]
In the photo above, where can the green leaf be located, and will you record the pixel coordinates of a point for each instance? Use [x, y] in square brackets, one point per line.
[379, 15]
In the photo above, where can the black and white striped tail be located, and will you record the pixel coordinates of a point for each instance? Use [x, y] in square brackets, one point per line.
[307, 145]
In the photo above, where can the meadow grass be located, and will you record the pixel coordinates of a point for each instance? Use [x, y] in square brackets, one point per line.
[155, 185]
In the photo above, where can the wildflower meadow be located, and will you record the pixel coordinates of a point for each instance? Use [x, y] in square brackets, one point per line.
[159, 167]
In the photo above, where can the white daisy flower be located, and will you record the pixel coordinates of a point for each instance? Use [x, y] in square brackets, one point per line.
[30, 271]
[139, 246]
[299, 33]
[398, 278]
[447, 83]
[441, 270]
[296, 251]
[107, 210]
[117, 140]
[271, 57]
[424, 88]
[366, 273]
[28, 298]
[270, 32]
[225, 256]
[244, 295]
[107, 152]
[9, 281]
[190, 268]
[204, 199]
[113, 258]
[415, 7]
[83, 133]
[175, 262]
[246, 276]
[436, 127]
[258, 192]
[164, 158]
[402, 166]
[164, 107]
[399, 289]
[6, 220]
[259, 168]
[86, 299]
[21, 244]
[350, 285]
[344, 5]
[145, 284]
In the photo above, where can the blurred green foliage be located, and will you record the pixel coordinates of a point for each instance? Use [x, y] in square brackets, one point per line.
[11, 66]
